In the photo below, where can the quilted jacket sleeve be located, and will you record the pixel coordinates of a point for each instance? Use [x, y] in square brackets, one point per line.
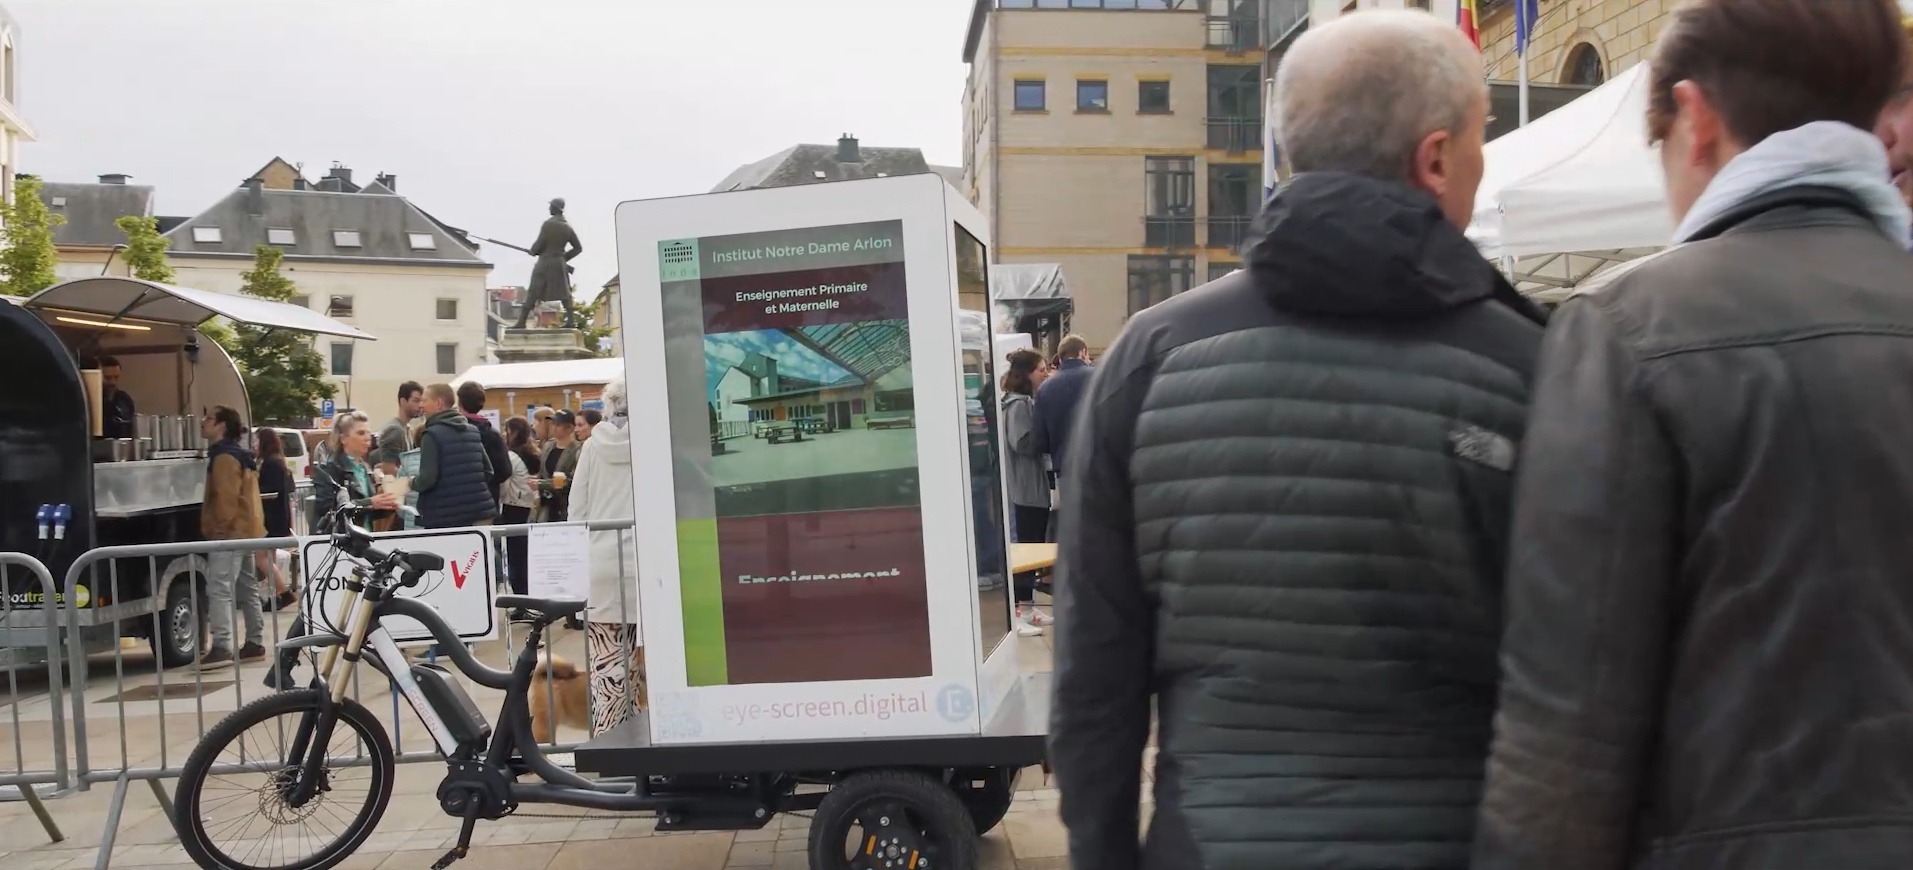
[1587, 608]
[1105, 626]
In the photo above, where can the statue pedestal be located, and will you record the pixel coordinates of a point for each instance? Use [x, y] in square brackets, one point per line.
[542, 345]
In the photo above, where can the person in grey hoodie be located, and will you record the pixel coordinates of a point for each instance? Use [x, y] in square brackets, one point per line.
[1706, 661]
[1023, 469]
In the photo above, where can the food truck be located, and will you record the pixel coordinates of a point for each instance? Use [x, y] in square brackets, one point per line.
[70, 489]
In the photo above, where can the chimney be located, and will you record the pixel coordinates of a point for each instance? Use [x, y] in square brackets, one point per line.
[847, 151]
[390, 181]
[255, 196]
[114, 178]
[341, 172]
[299, 183]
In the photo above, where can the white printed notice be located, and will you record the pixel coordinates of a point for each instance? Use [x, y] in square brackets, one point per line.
[559, 561]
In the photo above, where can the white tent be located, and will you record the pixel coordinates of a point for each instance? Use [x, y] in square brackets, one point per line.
[1576, 190]
[532, 375]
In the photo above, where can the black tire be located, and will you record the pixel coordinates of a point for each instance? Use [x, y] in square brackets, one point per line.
[180, 634]
[986, 793]
[352, 716]
[915, 808]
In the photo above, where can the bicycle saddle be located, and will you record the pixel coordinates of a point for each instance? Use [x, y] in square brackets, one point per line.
[552, 608]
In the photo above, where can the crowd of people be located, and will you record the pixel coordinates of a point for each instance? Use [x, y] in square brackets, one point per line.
[1038, 401]
[440, 456]
[1403, 571]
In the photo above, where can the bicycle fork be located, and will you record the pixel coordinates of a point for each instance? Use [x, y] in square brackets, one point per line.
[315, 730]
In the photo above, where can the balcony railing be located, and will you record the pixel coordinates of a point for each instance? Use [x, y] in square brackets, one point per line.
[1229, 231]
[1235, 135]
[1169, 232]
[1235, 35]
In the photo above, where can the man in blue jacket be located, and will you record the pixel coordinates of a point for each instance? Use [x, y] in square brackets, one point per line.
[1057, 398]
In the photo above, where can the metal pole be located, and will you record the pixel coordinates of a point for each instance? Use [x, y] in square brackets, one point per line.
[1522, 53]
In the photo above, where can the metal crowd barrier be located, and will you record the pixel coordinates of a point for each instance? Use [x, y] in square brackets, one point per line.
[156, 715]
[19, 629]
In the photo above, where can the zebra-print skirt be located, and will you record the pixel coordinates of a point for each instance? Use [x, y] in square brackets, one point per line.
[617, 681]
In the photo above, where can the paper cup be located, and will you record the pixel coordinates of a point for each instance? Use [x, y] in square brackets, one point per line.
[396, 485]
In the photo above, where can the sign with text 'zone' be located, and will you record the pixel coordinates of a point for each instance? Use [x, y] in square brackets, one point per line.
[462, 592]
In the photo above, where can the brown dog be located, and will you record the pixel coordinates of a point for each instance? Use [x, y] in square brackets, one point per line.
[559, 694]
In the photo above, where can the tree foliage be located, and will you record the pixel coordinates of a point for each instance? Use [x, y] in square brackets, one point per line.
[26, 263]
[594, 334]
[285, 377]
[146, 249]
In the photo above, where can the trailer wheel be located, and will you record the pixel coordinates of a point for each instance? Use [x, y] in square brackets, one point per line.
[986, 793]
[884, 819]
[179, 639]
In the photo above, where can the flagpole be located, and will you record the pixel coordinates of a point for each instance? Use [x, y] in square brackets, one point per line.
[1523, 96]
[1524, 13]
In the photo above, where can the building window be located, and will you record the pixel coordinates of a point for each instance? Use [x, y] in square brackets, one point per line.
[1029, 96]
[59, 202]
[339, 306]
[1235, 194]
[448, 309]
[206, 235]
[448, 359]
[1218, 271]
[1584, 66]
[422, 241]
[1235, 107]
[345, 238]
[280, 236]
[1152, 98]
[342, 359]
[301, 300]
[1153, 279]
[1092, 95]
[1169, 202]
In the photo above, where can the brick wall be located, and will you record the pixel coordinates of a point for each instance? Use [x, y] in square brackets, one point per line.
[1622, 32]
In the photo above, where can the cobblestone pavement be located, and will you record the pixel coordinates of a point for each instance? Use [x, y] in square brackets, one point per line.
[415, 832]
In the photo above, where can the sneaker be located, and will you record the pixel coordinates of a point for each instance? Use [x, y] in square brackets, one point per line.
[217, 657]
[252, 652]
[1037, 617]
[1024, 628]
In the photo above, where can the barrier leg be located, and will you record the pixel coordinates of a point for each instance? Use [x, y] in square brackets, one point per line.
[165, 801]
[39, 809]
[112, 828]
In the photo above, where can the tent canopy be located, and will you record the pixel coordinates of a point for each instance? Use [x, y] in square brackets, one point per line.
[532, 375]
[1580, 178]
[109, 300]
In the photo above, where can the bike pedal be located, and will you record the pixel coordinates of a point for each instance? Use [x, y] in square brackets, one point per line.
[456, 853]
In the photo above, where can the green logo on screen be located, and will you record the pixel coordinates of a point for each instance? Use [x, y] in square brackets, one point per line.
[677, 260]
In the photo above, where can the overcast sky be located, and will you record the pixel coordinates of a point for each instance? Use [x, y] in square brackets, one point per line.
[484, 109]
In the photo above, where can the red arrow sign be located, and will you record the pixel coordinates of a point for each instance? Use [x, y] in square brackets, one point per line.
[458, 575]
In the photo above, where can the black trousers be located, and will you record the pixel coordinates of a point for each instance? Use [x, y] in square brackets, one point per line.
[517, 549]
[1032, 527]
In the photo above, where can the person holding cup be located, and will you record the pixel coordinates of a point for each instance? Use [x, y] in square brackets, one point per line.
[347, 475]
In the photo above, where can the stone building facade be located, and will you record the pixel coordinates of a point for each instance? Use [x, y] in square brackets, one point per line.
[1576, 42]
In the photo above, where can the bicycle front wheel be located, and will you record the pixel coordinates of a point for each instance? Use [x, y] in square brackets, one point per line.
[246, 802]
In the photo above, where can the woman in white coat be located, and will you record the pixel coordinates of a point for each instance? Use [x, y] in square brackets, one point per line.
[614, 640]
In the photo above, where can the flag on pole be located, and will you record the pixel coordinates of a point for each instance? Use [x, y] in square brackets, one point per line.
[1465, 19]
[1526, 12]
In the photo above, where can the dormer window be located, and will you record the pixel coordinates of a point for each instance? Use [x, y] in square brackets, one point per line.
[422, 241]
[345, 238]
[206, 235]
[281, 236]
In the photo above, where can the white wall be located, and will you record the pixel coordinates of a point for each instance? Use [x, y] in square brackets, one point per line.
[396, 303]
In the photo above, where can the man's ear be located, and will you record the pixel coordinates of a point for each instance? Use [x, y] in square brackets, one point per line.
[1430, 168]
[1703, 124]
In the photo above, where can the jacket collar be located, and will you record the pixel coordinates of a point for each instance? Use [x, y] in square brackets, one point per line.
[1789, 206]
[1347, 245]
[1071, 363]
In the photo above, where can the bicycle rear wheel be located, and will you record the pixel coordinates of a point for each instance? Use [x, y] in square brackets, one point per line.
[234, 805]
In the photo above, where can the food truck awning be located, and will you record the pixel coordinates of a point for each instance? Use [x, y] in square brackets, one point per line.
[111, 300]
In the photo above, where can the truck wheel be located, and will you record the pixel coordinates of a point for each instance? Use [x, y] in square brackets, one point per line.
[178, 640]
[892, 818]
[986, 793]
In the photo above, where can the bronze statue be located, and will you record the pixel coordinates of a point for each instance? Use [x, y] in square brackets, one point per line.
[551, 275]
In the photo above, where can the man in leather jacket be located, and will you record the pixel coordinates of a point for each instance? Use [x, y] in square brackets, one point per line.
[1708, 659]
